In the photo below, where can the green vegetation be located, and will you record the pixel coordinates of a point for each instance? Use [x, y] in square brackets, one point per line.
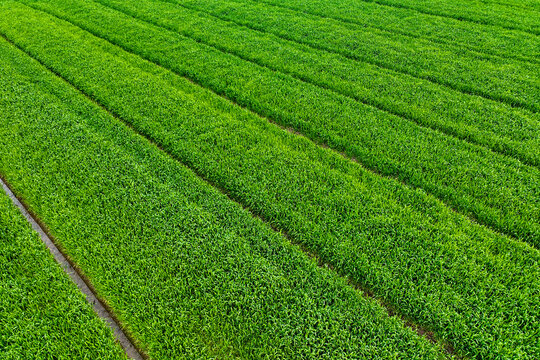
[209, 278]
[459, 173]
[493, 40]
[187, 271]
[495, 78]
[509, 14]
[42, 314]
[495, 125]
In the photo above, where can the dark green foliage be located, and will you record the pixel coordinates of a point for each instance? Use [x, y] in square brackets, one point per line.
[42, 313]
[473, 287]
[459, 173]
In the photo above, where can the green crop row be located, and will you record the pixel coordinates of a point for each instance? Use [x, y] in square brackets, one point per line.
[486, 39]
[461, 174]
[527, 4]
[188, 272]
[42, 313]
[495, 125]
[496, 78]
[472, 287]
[509, 16]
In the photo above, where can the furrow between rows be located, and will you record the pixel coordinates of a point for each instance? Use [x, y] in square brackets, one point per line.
[79, 280]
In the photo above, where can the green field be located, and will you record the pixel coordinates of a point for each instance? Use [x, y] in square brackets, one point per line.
[42, 314]
[337, 179]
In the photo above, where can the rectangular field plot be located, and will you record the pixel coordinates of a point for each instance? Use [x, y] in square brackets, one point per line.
[330, 179]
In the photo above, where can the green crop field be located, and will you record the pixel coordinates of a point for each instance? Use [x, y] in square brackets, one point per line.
[42, 314]
[324, 179]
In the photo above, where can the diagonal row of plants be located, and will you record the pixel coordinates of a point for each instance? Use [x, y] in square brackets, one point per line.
[43, 315]
[485, 39]
[459, 173]
[434, 266]
[526, 4]
[495, 78]
[189, 273]
[501, 128]
[507, 16]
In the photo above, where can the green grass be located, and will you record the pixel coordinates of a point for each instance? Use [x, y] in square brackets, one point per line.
[474, 288]
[495, 78]
[492, 124]
[521, 15]
[42, 313]
[477, 37]
[187, 271]
[459, 173]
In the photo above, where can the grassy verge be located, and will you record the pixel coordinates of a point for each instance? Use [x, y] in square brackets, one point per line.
[459, 173]
[187, 271]
[474, 288]
[42, 313]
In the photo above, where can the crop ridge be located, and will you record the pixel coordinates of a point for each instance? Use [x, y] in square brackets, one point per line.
[502, 99]
[434, 127]
[403, 33]
[422, 11]
[367, 293]
[361, 290]
[343, 154]
[101, 307]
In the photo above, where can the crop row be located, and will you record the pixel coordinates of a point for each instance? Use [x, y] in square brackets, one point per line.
[461, 174]
[42, 313]
[188, 272]
[516, 15]
[496, 78]
[495, 125]
[487, 39]
[434, 266]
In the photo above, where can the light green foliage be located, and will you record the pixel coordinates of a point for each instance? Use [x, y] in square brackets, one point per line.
[402, 20]
[471, 286]
[510, 14]
[495, 78]
[459, 173]
[187, 271]
[42, 313]
[498, 126]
